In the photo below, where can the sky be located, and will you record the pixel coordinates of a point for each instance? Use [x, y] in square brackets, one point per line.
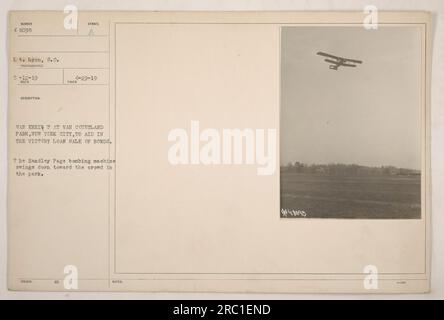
[369, 115]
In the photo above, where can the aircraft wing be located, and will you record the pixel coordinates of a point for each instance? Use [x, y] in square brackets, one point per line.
[329, 56]
[340, 59]
[353, 61]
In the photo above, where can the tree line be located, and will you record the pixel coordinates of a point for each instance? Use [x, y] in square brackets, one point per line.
[347, 169]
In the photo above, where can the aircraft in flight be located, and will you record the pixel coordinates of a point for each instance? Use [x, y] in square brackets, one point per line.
[337, 62]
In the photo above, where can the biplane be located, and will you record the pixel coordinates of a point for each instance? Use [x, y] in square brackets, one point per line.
[336, 62]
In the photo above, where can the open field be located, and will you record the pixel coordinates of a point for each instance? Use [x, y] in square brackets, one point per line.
[352, 197]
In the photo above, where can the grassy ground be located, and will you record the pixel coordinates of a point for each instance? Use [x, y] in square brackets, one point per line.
[360, 197]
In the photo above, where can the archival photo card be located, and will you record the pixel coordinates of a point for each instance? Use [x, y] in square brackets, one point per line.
[350, 125]
[267, 152]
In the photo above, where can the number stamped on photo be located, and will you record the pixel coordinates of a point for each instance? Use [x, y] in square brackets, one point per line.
[291, 213]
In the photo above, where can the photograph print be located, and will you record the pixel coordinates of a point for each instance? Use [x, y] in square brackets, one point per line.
[350, 122]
